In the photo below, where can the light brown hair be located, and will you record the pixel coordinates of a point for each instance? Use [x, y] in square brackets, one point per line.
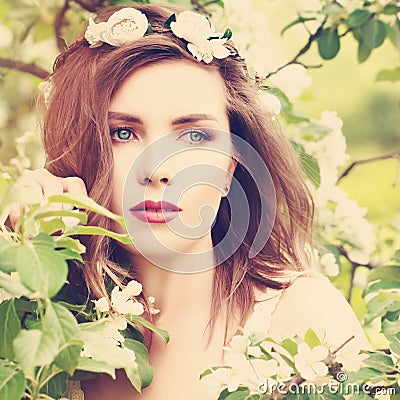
[77, 143]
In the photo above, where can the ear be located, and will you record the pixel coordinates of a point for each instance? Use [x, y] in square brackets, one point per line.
[229, 175]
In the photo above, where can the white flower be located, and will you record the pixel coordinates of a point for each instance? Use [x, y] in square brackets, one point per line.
[292, 80]
[328, 262]
[124, 26]
[207, 49]
[350, 358]
[152, 310]
[121, 300]
[239, 344]
[133, 288]
[101, 305]
[193, 27]
[309, 362]
[270, 102]
[265, 368]
[94, 33]
[113, 326]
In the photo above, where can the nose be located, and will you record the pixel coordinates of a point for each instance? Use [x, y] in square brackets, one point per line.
[158, 176]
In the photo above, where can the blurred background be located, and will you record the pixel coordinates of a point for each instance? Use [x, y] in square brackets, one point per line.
[34, 31]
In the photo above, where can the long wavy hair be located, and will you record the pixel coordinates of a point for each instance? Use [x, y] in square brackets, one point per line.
[77, 143]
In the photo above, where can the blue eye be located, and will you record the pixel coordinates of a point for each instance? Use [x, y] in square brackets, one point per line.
[195, 136]
[122, 134]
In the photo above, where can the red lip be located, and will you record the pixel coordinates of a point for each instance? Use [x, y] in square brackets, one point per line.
[155, 211]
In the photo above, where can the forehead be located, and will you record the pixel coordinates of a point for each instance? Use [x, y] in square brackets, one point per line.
[169, 89]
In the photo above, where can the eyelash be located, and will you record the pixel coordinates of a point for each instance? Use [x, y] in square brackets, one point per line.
[206, 136]
[115, 131]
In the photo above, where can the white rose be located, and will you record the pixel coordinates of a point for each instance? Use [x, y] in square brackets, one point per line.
[193, 27]
[125, 26]
[207, 49]
[94, 33]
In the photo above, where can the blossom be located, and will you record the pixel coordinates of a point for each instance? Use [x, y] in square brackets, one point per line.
[193, 27]
[121, 299]
[309, 362]
[197, 30]
[270, 102]
[101, 305]
[238, 344]
[152, 309]
[124, 26]
[112, 328]
[207, 49]
[292, 80]
[328, 262]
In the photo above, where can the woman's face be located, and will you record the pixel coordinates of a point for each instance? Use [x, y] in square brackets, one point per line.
[162, 155]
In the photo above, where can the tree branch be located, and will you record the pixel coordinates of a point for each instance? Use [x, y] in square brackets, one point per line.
[393, 154]
[296, 380]
[30, 68]
[303, 50]
[59, 23]
[87, 5]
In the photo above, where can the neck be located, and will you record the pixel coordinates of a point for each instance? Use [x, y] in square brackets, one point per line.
[182, 283]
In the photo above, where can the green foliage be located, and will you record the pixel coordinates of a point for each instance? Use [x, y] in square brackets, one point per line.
[45, 329]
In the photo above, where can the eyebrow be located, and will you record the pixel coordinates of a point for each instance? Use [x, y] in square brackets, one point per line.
[185, 119]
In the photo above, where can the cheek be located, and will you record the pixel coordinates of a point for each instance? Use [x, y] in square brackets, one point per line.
[200, 204]
[120, 172]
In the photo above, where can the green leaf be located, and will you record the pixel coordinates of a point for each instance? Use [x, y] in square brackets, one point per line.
[142, 358]
[9, 328]
[374, 33]
[308, 163]
[52, 226]
[136, 319]
[227, 34]
[68, 254]
[65, 326]
[68, 357]
[8, 254]
[311, 338]
[12, 383]
[381, 285]
[70, 243]
[390, 75]
[82, 216]
[290, 345]
[90, 365]
[56, 386]
[391, 9]
[386, 272]
[358, 17]
[380, 362]
[390, 327]
[363, 52]
[167, 23]
[328, 43]
[81, 201]
[380, 305]
[363, 375]
[96, 230]
[297, 21]
[41, 269]
[13, 285]
[35, 348]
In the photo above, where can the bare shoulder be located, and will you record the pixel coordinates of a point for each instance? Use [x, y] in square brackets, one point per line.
[313, 302]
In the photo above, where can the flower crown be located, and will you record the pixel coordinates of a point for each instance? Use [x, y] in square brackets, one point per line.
[129, 24]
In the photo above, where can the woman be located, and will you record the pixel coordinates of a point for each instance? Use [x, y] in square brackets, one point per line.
[122, 94]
